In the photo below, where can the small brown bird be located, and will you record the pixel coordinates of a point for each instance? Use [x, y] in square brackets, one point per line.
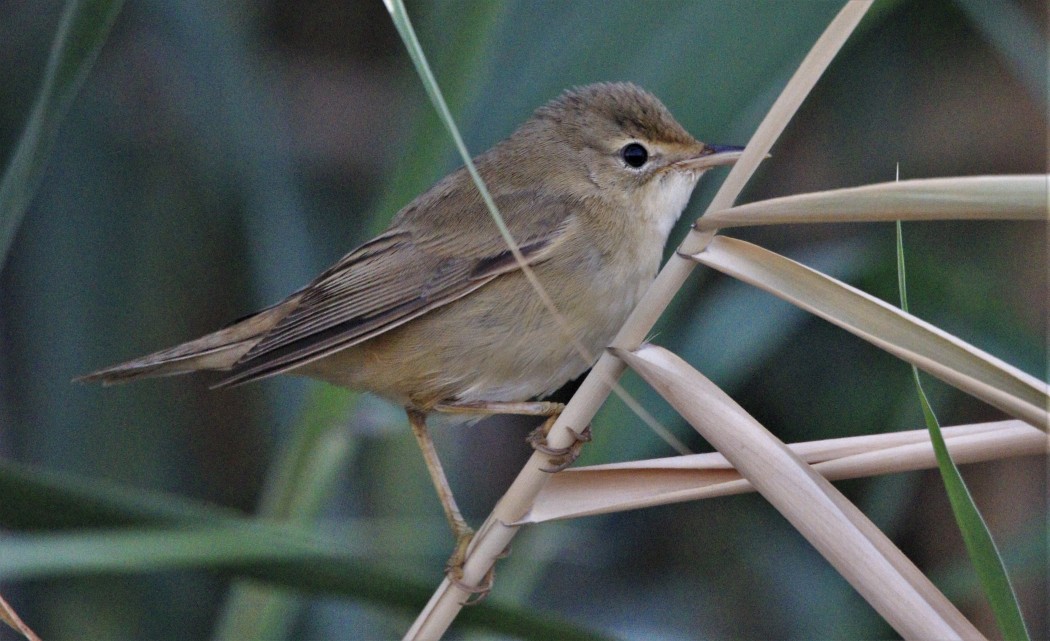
[435, 313]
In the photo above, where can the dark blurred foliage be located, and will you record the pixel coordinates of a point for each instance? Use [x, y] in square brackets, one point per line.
[220, 154]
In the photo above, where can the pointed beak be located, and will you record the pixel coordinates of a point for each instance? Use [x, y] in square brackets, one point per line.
[712, 156]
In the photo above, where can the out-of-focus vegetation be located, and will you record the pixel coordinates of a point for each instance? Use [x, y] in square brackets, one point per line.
[221, 154]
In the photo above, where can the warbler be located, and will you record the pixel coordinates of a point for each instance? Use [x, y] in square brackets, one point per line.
[436, 313]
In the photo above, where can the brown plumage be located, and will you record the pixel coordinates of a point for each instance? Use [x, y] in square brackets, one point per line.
[435, 309]
[436, 314]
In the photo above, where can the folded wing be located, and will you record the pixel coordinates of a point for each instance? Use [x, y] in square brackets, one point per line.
[398, 276]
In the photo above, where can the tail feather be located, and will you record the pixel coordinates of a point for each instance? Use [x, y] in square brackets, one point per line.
[216, 351]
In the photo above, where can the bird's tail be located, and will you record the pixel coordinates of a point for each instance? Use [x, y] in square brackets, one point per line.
[216, 351]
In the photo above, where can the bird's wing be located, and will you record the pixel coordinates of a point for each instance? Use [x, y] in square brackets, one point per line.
[392, 279]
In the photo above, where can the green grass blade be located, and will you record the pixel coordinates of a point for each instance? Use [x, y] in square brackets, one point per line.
[249, 551]
[136, 550]
[415, 51]
[404, 27]
[466, 61]
[81, 32]
[37, 500]
[207, 537]
[987, 562]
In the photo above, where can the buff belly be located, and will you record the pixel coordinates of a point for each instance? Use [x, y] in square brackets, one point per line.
[498, 344]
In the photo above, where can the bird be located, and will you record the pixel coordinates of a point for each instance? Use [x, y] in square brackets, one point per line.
[436, 313]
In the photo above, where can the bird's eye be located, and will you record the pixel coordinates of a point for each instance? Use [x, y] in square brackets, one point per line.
[634, 155]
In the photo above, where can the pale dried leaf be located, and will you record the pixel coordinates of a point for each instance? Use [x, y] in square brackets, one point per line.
[964, 198]
[912, 339]
[11, 618]
[616, 487]
[835, 527]
[790, 99]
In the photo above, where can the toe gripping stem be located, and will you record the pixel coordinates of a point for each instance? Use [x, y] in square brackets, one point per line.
[454, 571]
[559, 457]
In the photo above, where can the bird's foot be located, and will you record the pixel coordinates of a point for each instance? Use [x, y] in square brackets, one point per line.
[454, 571]
[560, 457]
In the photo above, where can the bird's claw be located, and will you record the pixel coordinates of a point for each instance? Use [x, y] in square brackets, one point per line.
[560, 457]
[454, 571]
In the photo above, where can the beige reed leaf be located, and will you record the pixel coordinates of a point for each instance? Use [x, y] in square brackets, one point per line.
[931, 349]
[11, 618]
[616, 487]
[861, 553]
[962, 198]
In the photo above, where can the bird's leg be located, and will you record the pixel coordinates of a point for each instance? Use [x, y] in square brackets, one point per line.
[490, 408]
[537, 439]
[560, 457]
[463, 532]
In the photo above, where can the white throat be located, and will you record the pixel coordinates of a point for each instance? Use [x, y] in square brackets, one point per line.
[666, 199]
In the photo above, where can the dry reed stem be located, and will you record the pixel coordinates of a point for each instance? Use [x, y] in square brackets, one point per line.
[616, 487]
[11, 618]
[962, 198]
[931, 349]
[496, 533]
[837, 529]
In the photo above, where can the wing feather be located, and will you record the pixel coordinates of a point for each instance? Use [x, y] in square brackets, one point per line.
[385, 283]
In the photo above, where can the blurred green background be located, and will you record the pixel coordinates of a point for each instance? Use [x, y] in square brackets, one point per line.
[221, 154]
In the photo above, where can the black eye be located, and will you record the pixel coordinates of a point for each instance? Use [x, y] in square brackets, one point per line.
[634, 155]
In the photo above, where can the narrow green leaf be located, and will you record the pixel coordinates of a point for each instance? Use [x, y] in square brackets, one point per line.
[81, 32]
[987, 562]
[465, 62]
[404, 27]
[36, 500]
[248, 551]
[152, 550]
[282, 555]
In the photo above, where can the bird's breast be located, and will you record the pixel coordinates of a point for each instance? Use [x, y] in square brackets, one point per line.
[501, 342]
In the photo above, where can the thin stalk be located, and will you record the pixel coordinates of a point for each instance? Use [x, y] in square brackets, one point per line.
[11, 618]
[984, 554]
